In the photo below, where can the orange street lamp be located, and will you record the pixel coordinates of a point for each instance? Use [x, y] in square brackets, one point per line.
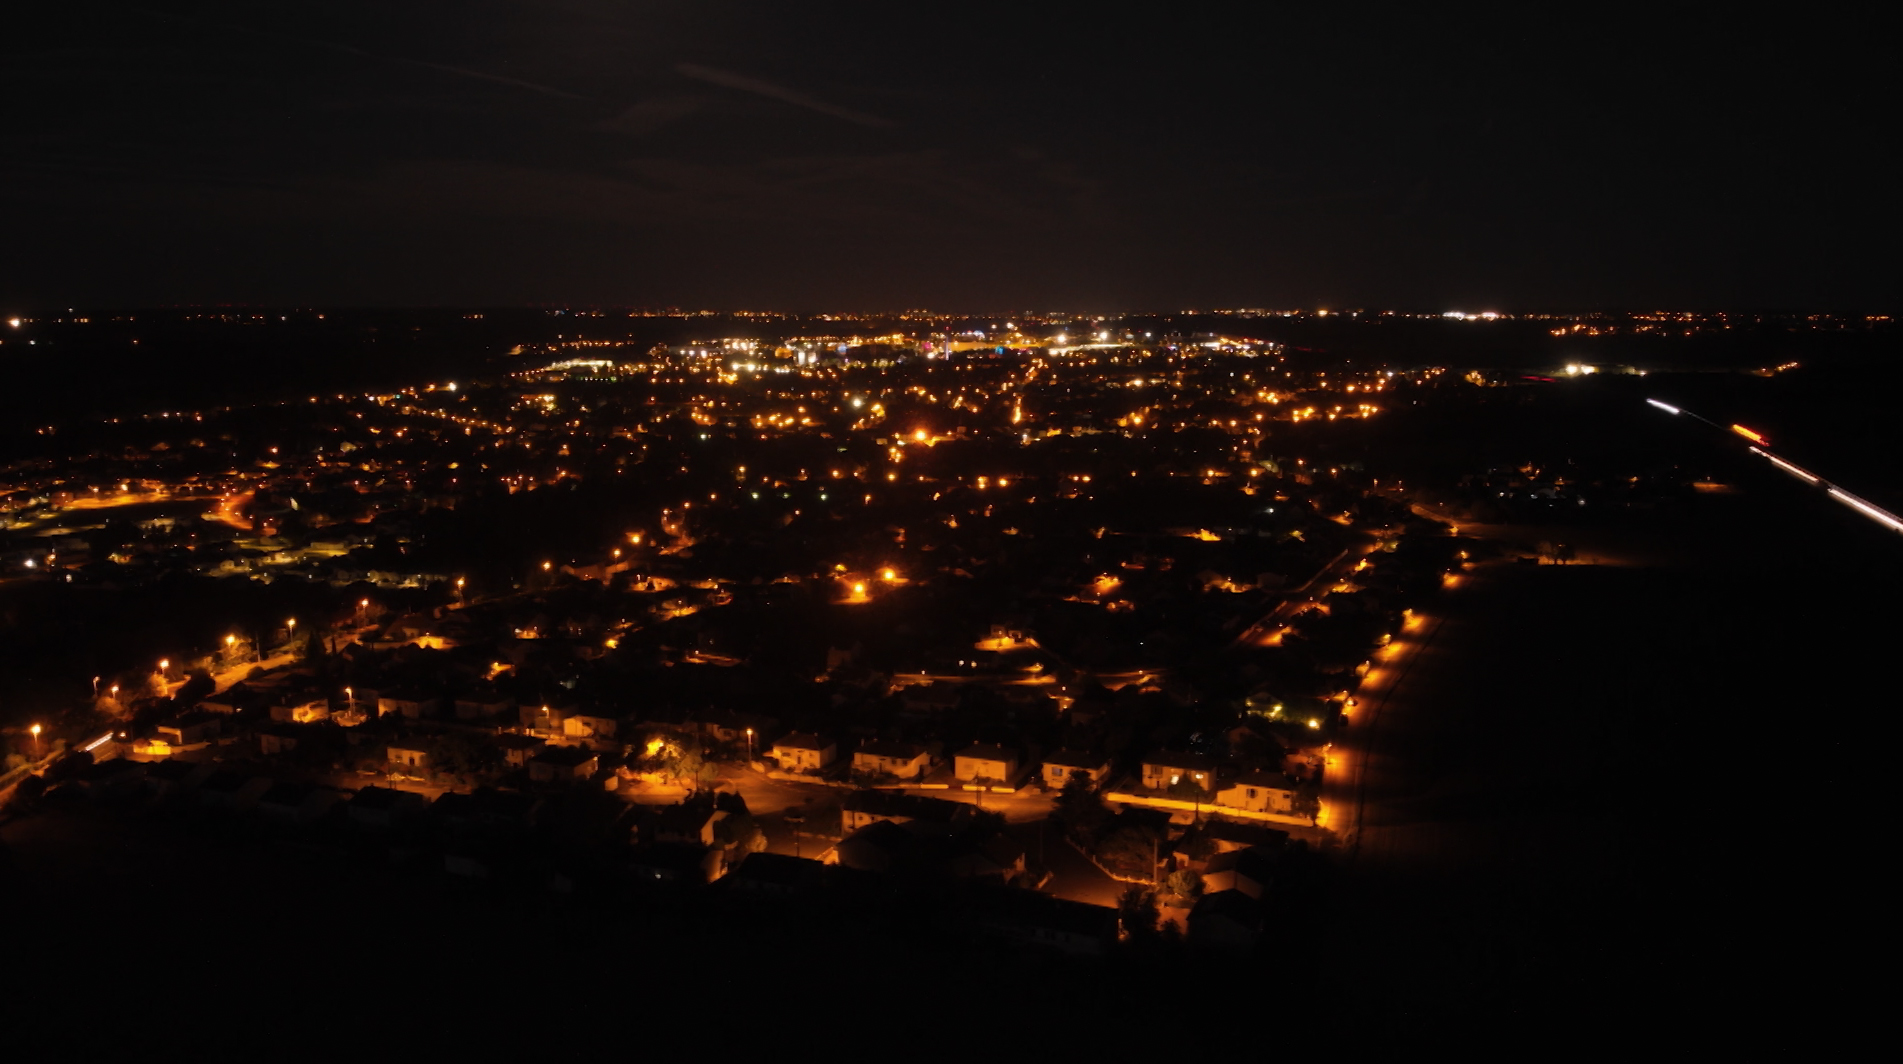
[36, 739]
[749, 744]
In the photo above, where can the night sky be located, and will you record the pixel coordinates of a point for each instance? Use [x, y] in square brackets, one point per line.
[858, 156]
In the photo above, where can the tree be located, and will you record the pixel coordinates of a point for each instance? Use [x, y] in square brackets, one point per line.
[1136, 911]
[1184, 883]
[1079, 809]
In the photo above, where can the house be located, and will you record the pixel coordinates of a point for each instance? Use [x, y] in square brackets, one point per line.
[901, 760]
[674, 864]
[170, 776]
[1226, 921]
[1038, 919]
[1250, 871]
[996, 858]
[589, 724]
[276, 739]
[410, 702]
[776, 875]
[517, 749]
[881, 846]
[803, 752]
[1166, 769]
[236, 791]
[687, 822]
[563, 764]
[1259, 792]
[985, 762]
[111, 777]
[384, 807]
[194, 727]
[296, 803]
[488, 808]
[1230, 835]
[484, 703]
[408, 753]
[1061, 766]
[862, 808]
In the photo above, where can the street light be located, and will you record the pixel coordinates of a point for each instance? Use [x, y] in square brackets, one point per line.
[36, 739]
[749, 745]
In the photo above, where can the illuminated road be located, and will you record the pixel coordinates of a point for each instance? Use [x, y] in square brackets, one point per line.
[1344, 784]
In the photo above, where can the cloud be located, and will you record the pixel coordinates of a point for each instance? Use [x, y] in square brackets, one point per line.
[730, 80]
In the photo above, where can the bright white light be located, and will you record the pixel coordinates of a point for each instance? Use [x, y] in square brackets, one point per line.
[1875, 513]
[1667, 407]
[451, 386]
[1787, 467]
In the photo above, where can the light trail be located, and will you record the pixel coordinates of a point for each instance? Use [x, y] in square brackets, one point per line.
[1871, 510]
[1789, 467]
[1861, 505]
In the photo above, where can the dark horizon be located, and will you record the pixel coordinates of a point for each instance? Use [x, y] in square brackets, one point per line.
[736, 154]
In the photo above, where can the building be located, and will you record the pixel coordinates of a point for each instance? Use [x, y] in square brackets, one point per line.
[904, 761]
[1037, 919]
[1061, 766]
[803, 752]
[1250, 871]
[989, 762]
[1226, 921]
[296, 803]
[411, 703]
[384, 807]
[563, 763]
[1166, 769]
[409, 753]
[869, 807]
[1259, 792]
[194, 727]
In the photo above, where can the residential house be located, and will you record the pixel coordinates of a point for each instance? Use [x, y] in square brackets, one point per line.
[235, 791]
[112, 777]
[990, 762]
[1166, 769]
[274, 739]
[685, 822]
[296, 803]
[1259, 792]
[192, 728]
[412, 754]
[776, 875]
[803, 752]
[410, 702]
[517, 749]
[589, 724]
[1226, 921]
[563, 764]
[483, 703]
[1250, 871]
[1064, 765]
[862, 808]
[170, 776]
[385, 807]
[678, 864]
[1038, 919]
[904, 761]
[488, 808]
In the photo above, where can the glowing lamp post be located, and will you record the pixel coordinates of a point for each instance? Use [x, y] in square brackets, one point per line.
[36, 739]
